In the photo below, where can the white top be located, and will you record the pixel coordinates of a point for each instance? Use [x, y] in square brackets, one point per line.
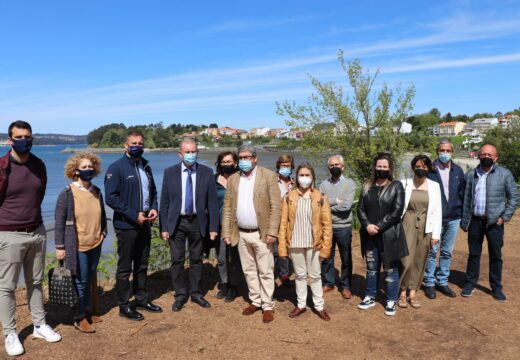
[444, 172]
[302, 231]
[184, 176]
[246, 214]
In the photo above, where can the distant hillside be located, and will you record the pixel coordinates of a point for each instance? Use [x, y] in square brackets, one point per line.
[54, 139]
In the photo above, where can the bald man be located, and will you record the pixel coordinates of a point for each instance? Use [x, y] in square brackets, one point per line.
[490, 200]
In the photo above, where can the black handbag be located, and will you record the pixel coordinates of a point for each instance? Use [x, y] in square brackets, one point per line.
[61, 287]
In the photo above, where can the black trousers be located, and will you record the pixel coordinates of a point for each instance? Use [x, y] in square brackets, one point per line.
[187, 228]
[133, 250]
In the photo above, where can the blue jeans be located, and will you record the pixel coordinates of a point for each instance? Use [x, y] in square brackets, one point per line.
[447, 243]
[495, 239]
[373, 259]
[87, 267]
[343, 238]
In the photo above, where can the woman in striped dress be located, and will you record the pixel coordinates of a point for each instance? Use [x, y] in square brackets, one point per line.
[306, 236]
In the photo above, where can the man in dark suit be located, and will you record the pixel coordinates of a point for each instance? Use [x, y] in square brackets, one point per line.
[189, 208]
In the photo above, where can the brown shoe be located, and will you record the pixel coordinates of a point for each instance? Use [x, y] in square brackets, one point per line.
[83, 326]
[327, 289]
[346, 293]
[323, 315]
[296, 312]
[268, 316]
[250, 310]
[94, 319]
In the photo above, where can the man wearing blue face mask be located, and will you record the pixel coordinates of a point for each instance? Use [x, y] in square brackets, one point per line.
[130, 191]
[451, 180]
[23, 180]
[189, 210]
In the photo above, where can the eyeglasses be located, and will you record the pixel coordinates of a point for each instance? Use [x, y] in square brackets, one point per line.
[246, 157]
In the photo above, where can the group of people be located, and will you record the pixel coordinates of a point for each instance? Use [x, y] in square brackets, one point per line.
[260, 222]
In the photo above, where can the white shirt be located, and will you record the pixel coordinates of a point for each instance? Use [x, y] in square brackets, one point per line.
[184, 177]
[246, 214]
[444, 172]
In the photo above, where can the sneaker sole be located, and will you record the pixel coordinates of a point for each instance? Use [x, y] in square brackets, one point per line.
[390, 313]
[37, 336]
[468, 295]
[15, 353]
[366, 307]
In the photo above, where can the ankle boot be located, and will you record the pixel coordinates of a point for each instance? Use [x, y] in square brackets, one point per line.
[84, 326]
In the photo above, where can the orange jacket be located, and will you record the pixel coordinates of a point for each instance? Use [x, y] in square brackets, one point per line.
[321, 222]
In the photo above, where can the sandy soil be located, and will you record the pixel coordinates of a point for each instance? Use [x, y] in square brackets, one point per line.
[459, 328]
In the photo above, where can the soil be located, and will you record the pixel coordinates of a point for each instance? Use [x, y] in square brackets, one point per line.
[458, 328]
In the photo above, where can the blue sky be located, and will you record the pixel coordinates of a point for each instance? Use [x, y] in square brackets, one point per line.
[71, 66]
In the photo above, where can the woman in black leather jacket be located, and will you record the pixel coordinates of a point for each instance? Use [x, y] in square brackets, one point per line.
[382, 237]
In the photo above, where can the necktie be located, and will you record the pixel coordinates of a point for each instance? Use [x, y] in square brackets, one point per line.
[188, 196]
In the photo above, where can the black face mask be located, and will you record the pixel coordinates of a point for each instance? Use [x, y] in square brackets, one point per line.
[135, 151]
[86, 175]
[228, 169]
[22, 146]
[420, 172]
[382, 174]
[486, 162]
[335, 172]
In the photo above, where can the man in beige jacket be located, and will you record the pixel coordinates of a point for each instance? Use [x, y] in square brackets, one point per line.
[250, 219]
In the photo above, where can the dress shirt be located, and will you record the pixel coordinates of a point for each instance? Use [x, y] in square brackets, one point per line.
[246, 214]
[184, 176]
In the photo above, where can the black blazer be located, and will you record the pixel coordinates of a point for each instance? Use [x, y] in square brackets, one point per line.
[205, 198]
[391, 204]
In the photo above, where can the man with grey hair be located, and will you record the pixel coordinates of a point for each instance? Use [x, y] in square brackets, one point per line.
[189, 210]
[340, 192]
[451, 180]
[250, 219]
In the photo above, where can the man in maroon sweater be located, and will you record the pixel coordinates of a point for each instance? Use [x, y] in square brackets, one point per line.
[23, 179]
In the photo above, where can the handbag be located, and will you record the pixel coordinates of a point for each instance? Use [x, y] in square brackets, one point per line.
[61, 286]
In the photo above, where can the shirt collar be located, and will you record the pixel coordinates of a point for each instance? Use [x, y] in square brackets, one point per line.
[340, 179]
[481, 172]
[193, 167]
[253, 173]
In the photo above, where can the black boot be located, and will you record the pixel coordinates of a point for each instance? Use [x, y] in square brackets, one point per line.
[231, 294]
[221, 294]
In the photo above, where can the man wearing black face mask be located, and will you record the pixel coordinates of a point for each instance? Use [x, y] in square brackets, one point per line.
[130, 191]
[490, 200]
[23, 180]
[340, 192]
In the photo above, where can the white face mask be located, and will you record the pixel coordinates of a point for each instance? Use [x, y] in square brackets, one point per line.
[304, 181]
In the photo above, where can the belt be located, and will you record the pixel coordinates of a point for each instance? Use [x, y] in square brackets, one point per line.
[188, 217]
[247, 230]
[25, 229]
[483, 218]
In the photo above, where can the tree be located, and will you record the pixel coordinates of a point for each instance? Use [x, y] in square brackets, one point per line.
[507, 142]
[435, 112]
[448, 117]
[357, 126]
[213, 126]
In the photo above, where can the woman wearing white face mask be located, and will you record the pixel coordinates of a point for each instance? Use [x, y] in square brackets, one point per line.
[306, 236]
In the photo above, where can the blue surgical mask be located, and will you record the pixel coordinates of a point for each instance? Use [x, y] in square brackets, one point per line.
[304, 181]
[22, 146]
[245, 165]
[285, 171]
[444, 157]
[189, 158]
[86, 175]
[135, 151]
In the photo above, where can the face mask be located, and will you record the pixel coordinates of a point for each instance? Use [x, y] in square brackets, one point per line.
[22, 146]
[245, 165]
[382, 174]
[444, 157]
[335, 172]
[420, 172]
[285, 171]
[304, 181]
[135, 151]
[486, 162]
[228, 169]
[86, 175]
[189, 158]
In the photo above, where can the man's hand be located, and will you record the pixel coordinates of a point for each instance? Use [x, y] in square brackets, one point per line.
[270, 239]
[213, 235]
[60, 254]
[372, 229]
[500, 221]
[141, 218]
[152, 215]
[227, 241]
[165, 235]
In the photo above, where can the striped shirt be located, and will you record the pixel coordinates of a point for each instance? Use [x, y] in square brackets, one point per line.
[479, 203]
[302, 232]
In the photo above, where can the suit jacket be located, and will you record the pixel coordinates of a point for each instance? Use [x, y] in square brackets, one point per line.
[434, 213]
[266, 199]
[206, 202]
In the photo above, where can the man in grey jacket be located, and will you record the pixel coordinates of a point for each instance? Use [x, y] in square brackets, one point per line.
[340, 192]
[490, 200]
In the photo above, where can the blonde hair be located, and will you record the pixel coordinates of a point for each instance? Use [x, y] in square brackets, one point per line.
[72, 164]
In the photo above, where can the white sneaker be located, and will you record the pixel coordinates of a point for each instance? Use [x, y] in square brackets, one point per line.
[390, 308]
[47, 333]
[13, 346]
[367, 303]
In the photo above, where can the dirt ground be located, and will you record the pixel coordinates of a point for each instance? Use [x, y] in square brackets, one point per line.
[459, 328]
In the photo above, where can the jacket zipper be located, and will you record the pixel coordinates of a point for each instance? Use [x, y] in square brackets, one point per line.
[140, 187]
